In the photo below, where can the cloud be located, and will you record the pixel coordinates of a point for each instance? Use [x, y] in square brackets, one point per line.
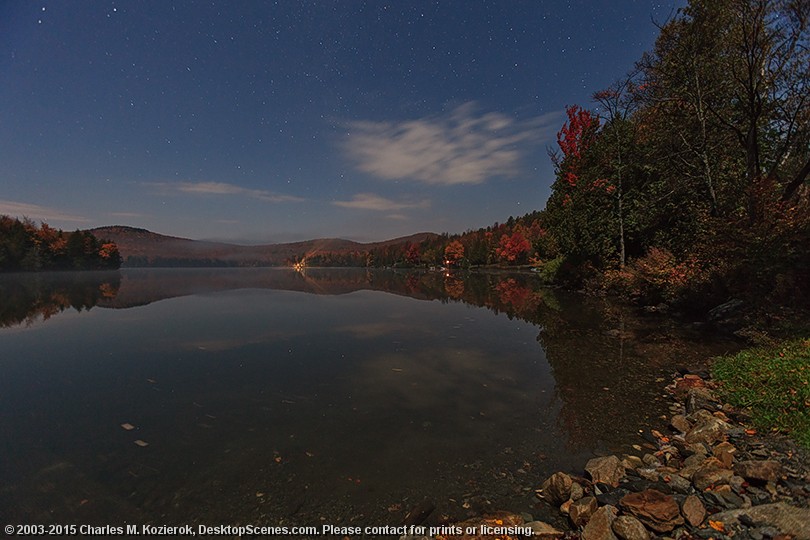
[463, 146]
[370, 201]
[34, 211]
[222, 188]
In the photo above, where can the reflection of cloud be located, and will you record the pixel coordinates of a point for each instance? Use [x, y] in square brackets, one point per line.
[370, 201]
[222, 188]
[34, 211]
[462, 147]
[375, 329]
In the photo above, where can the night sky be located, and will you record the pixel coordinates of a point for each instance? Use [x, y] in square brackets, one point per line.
[278, 121]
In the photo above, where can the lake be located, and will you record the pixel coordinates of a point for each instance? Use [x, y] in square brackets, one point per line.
[326, 396]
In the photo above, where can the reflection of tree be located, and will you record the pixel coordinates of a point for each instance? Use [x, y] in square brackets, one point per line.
[603, 358]
[27, 298]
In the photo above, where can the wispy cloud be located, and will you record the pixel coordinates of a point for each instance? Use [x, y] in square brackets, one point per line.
[370, 201]
[222, 188]
[34, 211]
[463, 146]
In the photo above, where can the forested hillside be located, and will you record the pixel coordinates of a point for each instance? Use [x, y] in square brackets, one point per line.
[26, 246]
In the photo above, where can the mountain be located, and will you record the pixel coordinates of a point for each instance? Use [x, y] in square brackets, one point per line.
[141, 247]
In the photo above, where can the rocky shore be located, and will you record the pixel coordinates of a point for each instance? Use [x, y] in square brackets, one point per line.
[710, 476]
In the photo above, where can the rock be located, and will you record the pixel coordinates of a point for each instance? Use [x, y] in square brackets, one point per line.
[580, 512]
[759, 471]
[612, 498]
[600, 526]
[654, 509]
[711, 473]
[541, 529]
[608, 470]
[680, 423]
[557, 489]
[783, 517]
[576, 492]
[724, 498]
[693, 510]
[679, 484]
[651, 461]
[632, 462]
[707, 430]
[724, 310]
[629, 528]
[419, 513]
[725, 453]
[701, 398]
[648, 474]
[694, 460]
[683, 386]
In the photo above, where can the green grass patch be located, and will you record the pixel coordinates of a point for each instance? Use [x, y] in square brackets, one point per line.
[773, 383]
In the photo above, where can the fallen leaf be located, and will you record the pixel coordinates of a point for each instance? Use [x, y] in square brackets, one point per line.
[750, 432]
[141, 443]
[127, 426]
[717, 526]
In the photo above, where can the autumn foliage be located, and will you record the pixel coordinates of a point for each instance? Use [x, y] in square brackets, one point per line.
[25, 246]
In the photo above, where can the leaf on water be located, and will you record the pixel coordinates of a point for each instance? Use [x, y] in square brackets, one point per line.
[127, 426]
[398, 370]
[151, 381]
[141, 443]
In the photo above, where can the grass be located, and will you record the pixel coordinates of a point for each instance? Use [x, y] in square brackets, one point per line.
[773, 382]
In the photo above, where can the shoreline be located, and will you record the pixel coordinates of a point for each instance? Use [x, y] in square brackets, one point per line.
[711, 476]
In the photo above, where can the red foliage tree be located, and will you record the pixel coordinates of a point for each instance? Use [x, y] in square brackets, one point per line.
[576, 135]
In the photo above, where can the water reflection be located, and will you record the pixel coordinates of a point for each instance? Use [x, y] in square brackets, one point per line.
[262, 403]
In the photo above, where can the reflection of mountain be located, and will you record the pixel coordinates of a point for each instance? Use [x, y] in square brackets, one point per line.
[139, 247]
[27, 297]
[604, 358]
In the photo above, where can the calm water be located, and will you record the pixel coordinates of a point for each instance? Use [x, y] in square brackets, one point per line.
[337, 396]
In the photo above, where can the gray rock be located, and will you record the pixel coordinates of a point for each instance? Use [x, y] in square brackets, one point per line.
[680, 484]
[607, 470]
[725, 309]
[701, 398]
[629, 528]
[600, 527]
[783, 517]
[632, 462]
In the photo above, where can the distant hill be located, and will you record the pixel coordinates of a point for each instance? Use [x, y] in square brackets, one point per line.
[140, 247]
